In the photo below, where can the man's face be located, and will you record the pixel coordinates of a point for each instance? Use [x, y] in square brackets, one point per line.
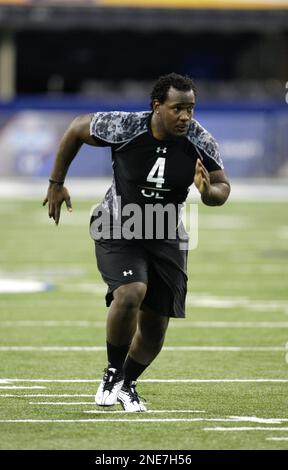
[176, 112]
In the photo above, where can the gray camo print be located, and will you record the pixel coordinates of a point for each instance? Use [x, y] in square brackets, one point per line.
[204, 141]
[110, 201]
[117, 127]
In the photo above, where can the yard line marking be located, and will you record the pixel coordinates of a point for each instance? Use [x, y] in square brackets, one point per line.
[102, 324]
[107, 411]
[6, 387]
[230, 324]
[62, 403]
[100, 420]
[224, 348]
[255, 419]
[206, 300]
[51, 323]
[165, 348]
[52, 348]
[230, 419]
[54, 380]
[256, 428]
[215, 380]
[154, 380]
[37, 395]
[276, 438]
[11, 286]
[144, 420]
[148, 411]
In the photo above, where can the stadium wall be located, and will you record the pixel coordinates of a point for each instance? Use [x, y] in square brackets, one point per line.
[253, 138]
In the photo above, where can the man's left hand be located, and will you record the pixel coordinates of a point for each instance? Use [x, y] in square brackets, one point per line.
[202, 178]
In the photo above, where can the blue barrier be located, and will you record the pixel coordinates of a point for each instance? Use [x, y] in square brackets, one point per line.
[253, 137]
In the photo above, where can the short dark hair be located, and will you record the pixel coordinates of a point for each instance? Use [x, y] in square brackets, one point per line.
[163, 84]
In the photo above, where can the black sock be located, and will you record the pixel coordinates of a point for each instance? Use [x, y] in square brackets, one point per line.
[132, 370]
[116, 355]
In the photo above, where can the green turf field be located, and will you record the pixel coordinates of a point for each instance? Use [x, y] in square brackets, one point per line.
[227, 387]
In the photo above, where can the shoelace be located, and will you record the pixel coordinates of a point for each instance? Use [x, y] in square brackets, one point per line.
[133, 395]
[110, 378]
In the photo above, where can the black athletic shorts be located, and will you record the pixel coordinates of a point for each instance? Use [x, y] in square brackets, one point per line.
[160, 264]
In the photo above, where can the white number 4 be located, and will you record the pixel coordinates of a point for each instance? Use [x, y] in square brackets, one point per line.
[157, 172]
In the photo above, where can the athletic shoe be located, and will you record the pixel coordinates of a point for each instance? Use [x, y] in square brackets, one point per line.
[129, 399]
[108, 389]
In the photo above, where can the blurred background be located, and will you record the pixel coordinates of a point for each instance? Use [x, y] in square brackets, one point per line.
[62, 58]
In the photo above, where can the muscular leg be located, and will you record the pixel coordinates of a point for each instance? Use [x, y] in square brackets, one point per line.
[146, 344]
[145, 330]
[149, 337]
[122, 317]
[127, 325]
[121, 325]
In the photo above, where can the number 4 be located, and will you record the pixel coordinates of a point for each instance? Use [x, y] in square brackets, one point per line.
[157, 172]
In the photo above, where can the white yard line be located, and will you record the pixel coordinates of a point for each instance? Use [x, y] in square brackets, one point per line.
[102, 324]
[262, 380]
[99, 420]
[276, 438]
[166, 348]
[215, 380]
[52, 323]
[232, 419]
[230, 324]
[213, 301]
[226, 420]
[224, 348]
[107, 412]
[255, 419]
[46, 395]
[252, 428]
[52, 348]
[62, 403]
[53, 380]
[6, 387]
[147, 420]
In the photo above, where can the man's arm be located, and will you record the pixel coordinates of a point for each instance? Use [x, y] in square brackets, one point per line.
[78, 133]
[214, 187]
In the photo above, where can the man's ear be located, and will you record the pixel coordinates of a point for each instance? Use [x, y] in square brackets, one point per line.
[156, 105]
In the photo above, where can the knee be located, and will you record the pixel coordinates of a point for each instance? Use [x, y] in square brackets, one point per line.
[130, 297]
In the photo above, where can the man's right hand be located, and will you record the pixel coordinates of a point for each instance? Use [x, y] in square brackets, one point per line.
[56, 195]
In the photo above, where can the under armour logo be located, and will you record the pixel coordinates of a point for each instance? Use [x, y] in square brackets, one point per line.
[128, 272]
[163, 150]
